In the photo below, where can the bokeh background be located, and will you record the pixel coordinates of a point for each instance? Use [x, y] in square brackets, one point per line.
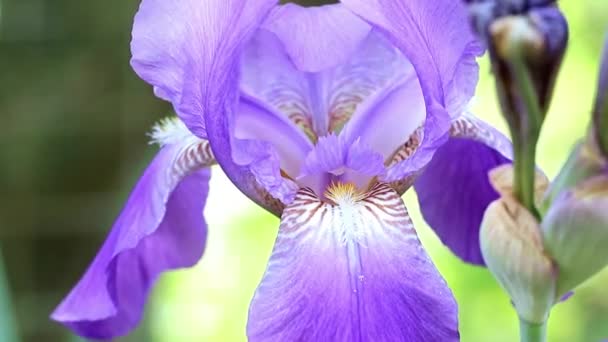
[73, 123]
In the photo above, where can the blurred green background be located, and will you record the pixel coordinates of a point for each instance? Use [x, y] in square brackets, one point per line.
[73, 119]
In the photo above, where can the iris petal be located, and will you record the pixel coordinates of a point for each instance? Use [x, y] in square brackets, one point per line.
[161, 228]
[269, 76]
[317, 38]
[435, 37]
[315, 104]
[388, 119]
[354, 271]
[184, 47]
[454, 190]
[335, 160]
[259, 125]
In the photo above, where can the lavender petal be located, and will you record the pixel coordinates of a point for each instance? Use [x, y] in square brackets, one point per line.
[355, 271]
[160, 228]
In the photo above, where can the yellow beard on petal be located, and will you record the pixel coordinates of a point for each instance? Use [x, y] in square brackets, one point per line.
[344, 193]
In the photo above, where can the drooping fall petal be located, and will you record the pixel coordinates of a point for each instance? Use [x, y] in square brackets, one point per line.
[160, 228]
[454, 190]
[351, 271]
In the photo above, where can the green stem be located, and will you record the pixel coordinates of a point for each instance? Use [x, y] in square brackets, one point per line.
[529, 130]
[532, 332]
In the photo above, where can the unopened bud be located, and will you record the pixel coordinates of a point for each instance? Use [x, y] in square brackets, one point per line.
[585, 161]
[526, 40]
[575, 231]
[600, 111]
[539, 37]
[535, 30]
[512, 248]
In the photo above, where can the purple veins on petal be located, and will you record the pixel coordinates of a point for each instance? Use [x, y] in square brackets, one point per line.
[379, 286]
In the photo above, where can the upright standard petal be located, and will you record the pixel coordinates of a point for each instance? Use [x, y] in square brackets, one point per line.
[353, 270]
[454, 190]
[435, 37]
[317, 38]
[182, 47]
[161, 228]
[394, 107]
[217, 31]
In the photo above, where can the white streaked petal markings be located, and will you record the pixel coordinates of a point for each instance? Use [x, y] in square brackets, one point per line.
[352, 220]
[350, 268]
[195, 154]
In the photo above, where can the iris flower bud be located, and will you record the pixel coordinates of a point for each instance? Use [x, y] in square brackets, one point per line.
[536, 28]
[585, 161]
[512, 247]
[600, 111]
[575, 232]
[526, 40]
[540, 37]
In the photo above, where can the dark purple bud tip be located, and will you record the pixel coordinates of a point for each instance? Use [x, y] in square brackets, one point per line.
[535, 27]
[600, 110]
[552, 25]
[540, 37]
[483, 12]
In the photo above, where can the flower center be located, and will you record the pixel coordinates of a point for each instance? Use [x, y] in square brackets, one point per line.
[344, 193]
[342, 124]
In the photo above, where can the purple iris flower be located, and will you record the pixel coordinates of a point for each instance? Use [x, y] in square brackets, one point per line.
[325, 116]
